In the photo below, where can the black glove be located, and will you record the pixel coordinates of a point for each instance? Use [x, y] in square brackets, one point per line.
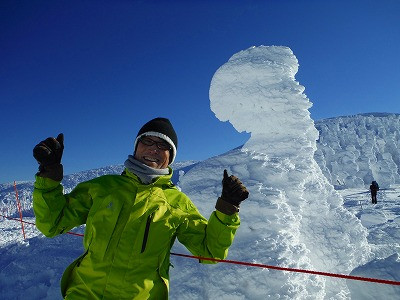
[48, 154]
[233, 193]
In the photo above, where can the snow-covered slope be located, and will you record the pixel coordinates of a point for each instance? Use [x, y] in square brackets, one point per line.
[354, 150]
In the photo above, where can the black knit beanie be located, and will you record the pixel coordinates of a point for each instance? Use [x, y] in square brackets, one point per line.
[161, 128]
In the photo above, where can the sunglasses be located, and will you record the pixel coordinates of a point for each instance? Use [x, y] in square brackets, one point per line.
[160, 145]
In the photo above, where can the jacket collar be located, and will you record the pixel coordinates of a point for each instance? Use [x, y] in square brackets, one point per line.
[162, 180]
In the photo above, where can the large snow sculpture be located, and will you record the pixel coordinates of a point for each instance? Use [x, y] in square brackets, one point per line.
[293, 217]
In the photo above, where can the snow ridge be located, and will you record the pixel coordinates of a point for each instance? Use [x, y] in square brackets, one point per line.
[355, 150]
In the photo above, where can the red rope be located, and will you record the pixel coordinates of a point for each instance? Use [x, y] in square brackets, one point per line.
[290, 269]
[30, 223]
[19, 209]
[383, 281]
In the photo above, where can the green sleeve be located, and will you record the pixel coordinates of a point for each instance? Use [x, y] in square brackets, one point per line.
[210, 238]
[55, 212]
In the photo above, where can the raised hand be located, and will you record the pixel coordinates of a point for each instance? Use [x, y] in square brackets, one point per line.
[48, 154]
[233, 193]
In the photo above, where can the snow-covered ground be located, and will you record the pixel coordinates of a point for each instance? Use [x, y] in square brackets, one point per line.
[293, 218]
[382, 221]
[32, 268]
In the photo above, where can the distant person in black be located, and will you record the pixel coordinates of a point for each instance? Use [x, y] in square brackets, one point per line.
[374, 188]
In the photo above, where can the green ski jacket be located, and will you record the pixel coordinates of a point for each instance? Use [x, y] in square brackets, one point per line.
[130, 229]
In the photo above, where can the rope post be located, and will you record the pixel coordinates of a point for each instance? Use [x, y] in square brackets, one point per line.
[19, 209]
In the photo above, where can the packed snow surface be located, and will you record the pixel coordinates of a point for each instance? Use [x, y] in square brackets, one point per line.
[293, 218]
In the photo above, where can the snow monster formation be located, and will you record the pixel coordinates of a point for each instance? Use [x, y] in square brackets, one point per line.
[352, 151]
[293, 218]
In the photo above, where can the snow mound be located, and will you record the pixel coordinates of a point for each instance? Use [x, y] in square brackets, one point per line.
[293, 217]
[373, 218]
[386, 269]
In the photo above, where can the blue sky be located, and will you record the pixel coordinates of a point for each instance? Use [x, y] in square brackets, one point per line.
[98, 70]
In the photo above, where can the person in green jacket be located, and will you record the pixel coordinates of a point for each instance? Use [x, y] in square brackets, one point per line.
[132, 219]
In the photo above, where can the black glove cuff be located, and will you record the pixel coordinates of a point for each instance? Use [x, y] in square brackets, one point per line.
[54, 171]
[226, 207]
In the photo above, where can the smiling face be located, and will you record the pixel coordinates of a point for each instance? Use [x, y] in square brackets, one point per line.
[152, 156]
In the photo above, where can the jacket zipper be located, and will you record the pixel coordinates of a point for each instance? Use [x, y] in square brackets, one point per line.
[146, 231]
